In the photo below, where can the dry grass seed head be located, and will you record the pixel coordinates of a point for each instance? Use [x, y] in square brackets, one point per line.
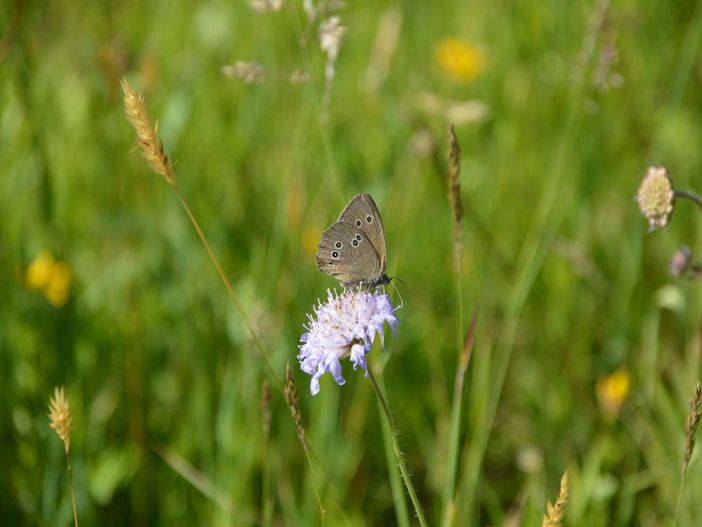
[60, 417]
[291, 396]
[454, 183]
[147, 133]
[693, 422]
[556, 512]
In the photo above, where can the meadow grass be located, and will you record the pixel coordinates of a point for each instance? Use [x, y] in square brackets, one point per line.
[581, 351]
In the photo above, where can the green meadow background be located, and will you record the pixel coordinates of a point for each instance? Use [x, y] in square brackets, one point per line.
[575, 101]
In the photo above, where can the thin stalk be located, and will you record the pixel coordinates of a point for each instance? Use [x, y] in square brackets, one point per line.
[385, 410]
[455, 430]
[250, 328]
[70, 486]
[318, 496]
[228, 286]
[689, 195]
[680, 495]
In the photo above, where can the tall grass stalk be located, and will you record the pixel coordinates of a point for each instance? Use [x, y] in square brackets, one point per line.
[547, 217]
[454, 195]
[153, 150]
[61, 422]
[449, 502]
[291, 396]
[397, 451]
[693, 422]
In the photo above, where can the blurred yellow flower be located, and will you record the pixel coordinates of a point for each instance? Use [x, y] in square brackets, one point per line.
[39, 271]
[51, 277]
[613, 390]
[459, 60]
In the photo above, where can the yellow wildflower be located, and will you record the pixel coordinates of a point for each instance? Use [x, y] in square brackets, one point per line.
[459, 60]
[613, 390]
[39, 271]
[58, 288]
[51, 277]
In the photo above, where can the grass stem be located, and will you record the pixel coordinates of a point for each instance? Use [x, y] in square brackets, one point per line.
[70, 486]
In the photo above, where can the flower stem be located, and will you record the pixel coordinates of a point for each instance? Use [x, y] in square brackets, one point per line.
[689, 195]
[70, 486]
[385, 410]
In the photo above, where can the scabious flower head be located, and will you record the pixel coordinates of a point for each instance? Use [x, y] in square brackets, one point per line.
[656, 197]
[344, 326]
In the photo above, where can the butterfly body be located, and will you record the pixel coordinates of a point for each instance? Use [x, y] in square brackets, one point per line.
[353, 249]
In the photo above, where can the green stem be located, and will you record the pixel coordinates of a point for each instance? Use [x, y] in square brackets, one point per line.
[689, 195]
[449, 501]
[70, 486]
[680, 495]
[385, 410]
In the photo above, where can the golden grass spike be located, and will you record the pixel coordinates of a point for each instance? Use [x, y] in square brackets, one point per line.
[62, 424]
[147, 133]
[693, 422]
[556, 512]
[291, 397]
[60, 417]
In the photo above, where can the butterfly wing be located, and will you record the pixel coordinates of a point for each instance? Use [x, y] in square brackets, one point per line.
[347, 254]
[362, 213]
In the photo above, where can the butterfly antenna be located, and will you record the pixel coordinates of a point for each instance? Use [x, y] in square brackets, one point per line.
[402, 302]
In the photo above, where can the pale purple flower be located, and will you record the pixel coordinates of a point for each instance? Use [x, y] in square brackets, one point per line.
[344, 326]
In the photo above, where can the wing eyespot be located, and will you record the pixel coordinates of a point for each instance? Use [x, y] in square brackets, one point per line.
[359, 223]
[358, 238]
[369, 219]
[354, 242]
[338, 245]
[335, 254]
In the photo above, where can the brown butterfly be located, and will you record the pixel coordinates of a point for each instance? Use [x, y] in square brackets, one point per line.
[353, 249]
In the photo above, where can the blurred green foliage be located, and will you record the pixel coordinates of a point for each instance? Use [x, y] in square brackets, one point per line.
[581, 98]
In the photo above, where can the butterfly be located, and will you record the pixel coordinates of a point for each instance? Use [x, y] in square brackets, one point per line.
[353, 249]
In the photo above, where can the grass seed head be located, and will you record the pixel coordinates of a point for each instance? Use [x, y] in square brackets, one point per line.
[60, 417]
[291, 396]
[454, 183]
[556, 512]
[147, 133]
[693, 422]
